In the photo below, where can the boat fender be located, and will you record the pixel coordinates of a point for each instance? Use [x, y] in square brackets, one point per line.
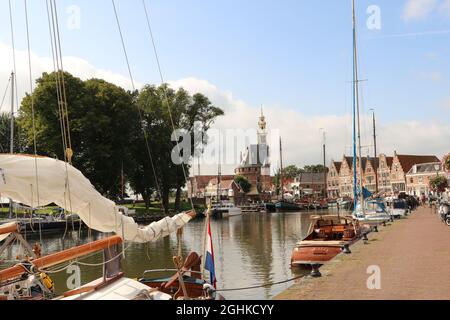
[47, 281]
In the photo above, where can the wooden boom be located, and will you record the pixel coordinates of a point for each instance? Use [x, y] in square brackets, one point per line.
[10, 228]
[60, 257]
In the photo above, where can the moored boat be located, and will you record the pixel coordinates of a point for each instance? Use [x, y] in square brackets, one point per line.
[225, 210]
[373, 213]
[328, 236]
[286, 206]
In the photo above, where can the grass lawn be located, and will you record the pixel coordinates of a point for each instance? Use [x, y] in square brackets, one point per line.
[155, 208]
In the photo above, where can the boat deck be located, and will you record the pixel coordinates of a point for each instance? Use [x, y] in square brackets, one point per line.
[412, 255]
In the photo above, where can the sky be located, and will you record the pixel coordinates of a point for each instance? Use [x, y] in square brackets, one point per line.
[293, 57]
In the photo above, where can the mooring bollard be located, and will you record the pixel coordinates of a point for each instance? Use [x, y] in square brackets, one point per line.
[315, 273]
[346, 249]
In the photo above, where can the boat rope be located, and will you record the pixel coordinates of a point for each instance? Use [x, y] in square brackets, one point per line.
[158, 63]
[55, 40]
[130, 73]
[6, 92]
[79, 262]
[271, 284]
[33, 119]
[13, 44]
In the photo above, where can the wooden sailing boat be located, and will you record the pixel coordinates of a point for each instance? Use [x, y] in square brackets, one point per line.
[284, 205]
[330, 235]
[27, 280]
[366, 215]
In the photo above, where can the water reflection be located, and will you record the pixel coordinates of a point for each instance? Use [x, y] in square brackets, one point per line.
[253, 249]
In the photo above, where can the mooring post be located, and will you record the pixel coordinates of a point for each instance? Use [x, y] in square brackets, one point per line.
[346, 249]
[315, 273]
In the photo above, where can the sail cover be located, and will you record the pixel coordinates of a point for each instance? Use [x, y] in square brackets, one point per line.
[65, 186]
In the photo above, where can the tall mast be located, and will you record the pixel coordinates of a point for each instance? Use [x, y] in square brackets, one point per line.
[281, 171]
[325, 163]
[11, 141]
[375, 150]
[219, 172]
[356, 110]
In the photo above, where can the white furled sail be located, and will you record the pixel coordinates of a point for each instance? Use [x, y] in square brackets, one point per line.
[65, 186]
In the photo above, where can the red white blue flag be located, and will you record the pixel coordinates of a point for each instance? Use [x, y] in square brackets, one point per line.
[209, 261]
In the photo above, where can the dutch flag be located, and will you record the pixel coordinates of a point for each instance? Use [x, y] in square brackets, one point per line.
[209, 262]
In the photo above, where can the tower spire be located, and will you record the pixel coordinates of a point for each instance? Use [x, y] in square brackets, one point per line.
[262, 126]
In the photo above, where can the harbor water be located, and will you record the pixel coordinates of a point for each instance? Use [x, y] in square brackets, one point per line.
[250, 250]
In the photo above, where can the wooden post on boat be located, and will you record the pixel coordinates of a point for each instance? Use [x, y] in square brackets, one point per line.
[60, 257]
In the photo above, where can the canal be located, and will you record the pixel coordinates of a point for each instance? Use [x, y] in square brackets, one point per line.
[250, 250]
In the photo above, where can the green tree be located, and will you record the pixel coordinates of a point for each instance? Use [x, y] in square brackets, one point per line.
[102, 121]
[315, 168]
[243, 183]
[5, 135]
[439, 183]
[185, 113]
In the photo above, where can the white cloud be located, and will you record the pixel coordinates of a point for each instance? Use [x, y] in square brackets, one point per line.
[418, 9]
[445, 7]
[301, 135]
[76, 66]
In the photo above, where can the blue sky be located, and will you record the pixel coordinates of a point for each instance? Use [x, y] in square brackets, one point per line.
[289, 55]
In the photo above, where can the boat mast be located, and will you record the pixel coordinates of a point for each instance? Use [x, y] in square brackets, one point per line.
[375, 150]
[11, 141]
[325, 163]
[219, 173]
[356, 110]
[281, 171]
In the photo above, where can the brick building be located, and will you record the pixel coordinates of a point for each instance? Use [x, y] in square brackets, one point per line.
[255, 163]
[402, 164]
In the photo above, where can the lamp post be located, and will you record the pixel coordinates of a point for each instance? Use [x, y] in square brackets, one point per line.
[437, 167]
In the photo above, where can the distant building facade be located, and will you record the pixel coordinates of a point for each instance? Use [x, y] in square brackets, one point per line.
[389, 174]
[255, 163]
[420, 175]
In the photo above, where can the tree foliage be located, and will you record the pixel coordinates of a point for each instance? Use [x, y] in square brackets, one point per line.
[101, 119]
[438, 183]
[243, 183]
[5, 135]
[111, 128]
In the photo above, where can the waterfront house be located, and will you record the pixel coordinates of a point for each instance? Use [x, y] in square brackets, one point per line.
[402, 164]
[419, 176]
[333, 180]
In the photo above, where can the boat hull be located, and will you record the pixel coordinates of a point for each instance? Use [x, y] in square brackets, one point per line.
[287, 207]
[307, 256]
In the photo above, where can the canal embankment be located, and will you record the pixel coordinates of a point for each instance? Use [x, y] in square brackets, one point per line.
[407, 259]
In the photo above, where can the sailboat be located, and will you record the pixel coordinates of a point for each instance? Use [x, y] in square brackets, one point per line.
[284, 205]
[220, 208]
[367, 212]
[31, 180]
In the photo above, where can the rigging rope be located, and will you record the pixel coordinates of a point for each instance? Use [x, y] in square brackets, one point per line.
[271, 284]
[13, 43]
[6, 92]
[147, 16]
[33, 119]
[139, 110]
